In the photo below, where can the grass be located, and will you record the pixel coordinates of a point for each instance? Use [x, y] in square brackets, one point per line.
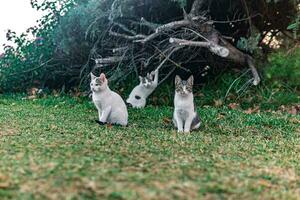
[52, 149]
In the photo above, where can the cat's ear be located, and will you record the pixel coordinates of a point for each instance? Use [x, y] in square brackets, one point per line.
[177, 80]
[93, 77]
[141, 79]
[191, 80]
[148, 75]
[103, 77]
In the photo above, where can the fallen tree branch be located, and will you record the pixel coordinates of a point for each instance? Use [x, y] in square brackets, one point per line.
[151, 25]
[167, 57]
[124, 36]
[124, 28]
[226, 51]
[255, 74]
[168, 27]
[196, 7]
[167, 76]
[110, 60]
[165, 39]
[214, 48]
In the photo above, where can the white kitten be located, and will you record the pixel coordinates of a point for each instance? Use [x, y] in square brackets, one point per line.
[140, 93]
[185, 117]
[111, 107]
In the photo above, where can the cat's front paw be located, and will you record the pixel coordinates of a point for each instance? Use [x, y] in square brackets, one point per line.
[187, 131]
[100, 123]
[180, 131]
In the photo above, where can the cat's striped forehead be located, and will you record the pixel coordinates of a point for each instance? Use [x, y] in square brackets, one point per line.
[98, 81]
[180, 84]
[184, 83]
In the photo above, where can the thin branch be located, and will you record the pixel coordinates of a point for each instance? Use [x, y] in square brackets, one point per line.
[167, 57]
[33, 69]
[149, 24]
[120, 49]
[124, 36]
[167, 76]
[172, 61]
[196, 7]
[237, 20]
[124, 28]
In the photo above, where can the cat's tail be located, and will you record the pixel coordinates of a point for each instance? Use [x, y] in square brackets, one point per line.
[196, 123]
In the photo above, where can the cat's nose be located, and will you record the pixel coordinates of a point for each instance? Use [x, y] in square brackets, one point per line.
[128, 104]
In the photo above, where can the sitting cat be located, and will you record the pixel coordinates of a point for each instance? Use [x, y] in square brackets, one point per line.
[138, 96]
[111, 107]
[185, 117]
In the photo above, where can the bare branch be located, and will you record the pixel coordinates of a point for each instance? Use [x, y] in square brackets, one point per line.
[124, 28]
[120, 49]
[196, 7]
[250, 63]
[214, 48]
[149, 24]
[167, 57]
[124, 36]
[170, 26]
[167, 76]
[110, 60]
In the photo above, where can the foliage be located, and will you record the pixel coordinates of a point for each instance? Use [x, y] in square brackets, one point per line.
[52, 149]
[280, 86]
[250, 44]
[28, 62]
[295, 27]
[182, 3]
[75, 32]
[284, 69]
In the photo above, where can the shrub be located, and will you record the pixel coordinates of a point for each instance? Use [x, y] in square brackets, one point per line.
[284, 69]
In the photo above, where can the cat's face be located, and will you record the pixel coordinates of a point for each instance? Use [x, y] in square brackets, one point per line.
[182, 87]
[98, 83]
[146, 81]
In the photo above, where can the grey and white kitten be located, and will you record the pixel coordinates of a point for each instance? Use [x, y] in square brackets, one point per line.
[139, 95]
[185, 117]
[111, 107]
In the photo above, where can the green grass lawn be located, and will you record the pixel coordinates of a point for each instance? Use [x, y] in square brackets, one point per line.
[52, 149]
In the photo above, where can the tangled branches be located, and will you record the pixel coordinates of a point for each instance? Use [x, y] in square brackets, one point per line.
[148, 45]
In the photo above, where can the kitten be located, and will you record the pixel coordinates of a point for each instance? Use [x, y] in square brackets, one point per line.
[111, 107]
[185, 117]
[138, 96]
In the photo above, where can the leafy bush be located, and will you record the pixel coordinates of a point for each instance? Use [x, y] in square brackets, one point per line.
[30, 61]
[75, 32]
[284, 69]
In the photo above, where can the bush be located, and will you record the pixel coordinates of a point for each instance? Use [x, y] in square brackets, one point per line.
[75, 32]
[30, 62]
[284, 69]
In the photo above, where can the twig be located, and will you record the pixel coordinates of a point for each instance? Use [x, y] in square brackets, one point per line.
[128, 37]
[33, 69]
[235, 82]
[120, 49]
[149, 24]
[125, 28]
[166, 77]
